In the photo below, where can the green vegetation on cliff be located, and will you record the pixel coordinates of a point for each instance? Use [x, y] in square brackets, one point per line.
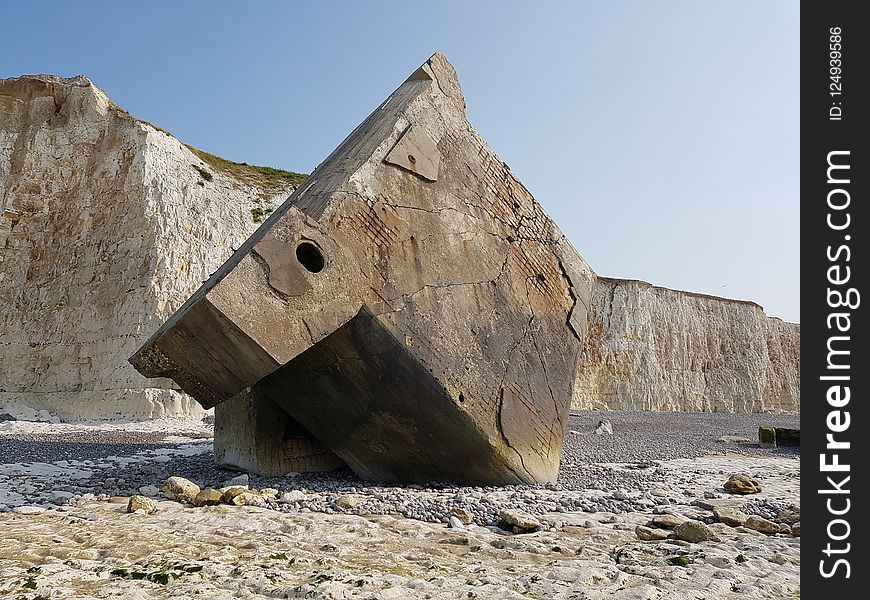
[267, 178]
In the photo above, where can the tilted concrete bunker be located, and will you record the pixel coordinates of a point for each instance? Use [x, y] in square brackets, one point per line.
[410, 311]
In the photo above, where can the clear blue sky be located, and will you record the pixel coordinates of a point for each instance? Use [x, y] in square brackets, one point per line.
[663, 137]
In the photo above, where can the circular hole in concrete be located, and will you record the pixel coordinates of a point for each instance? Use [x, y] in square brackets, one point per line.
[310, 257]
[461, 397]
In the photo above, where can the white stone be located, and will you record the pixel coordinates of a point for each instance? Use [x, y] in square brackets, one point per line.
[519, 518]
[29, 510]
[293, 496]
[180, 489]
[242, 479]
[604, 428]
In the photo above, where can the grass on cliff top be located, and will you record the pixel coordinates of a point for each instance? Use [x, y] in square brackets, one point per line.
[263, 177]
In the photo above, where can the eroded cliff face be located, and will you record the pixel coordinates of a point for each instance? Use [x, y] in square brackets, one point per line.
[108, 225]
[653, 348]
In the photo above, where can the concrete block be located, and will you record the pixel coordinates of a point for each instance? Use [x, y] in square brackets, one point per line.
[411, 306]
[767, 437]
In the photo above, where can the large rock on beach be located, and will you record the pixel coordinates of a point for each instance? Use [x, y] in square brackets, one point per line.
[231, 492]
[464, 515]
[667, 521]
[730, 516]
[179, 489]
[649, 534]
[208, 497]
[143, 503]
[111, 174]
[695, 531]
[762, 525]
[740, 483]
[517, 518]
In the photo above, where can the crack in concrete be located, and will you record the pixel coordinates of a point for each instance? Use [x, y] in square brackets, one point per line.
[431, 211]
[573, 298]
[505, 438]
[308, 329]
[441, 210]
[492, 216]
[405, 296]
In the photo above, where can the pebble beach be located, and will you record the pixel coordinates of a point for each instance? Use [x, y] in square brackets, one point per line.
[65, 489]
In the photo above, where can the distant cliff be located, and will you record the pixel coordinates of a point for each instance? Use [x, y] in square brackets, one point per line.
[652, 348]
[108, 224]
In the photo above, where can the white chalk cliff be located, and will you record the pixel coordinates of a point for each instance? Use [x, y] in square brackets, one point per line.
[653, 348]
[108, 225]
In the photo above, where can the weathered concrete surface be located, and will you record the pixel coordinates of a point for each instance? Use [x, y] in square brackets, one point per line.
[653, 348]
[786, 436]
[773, 437]
[107, 227]
[254, 434]
[411, 305]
